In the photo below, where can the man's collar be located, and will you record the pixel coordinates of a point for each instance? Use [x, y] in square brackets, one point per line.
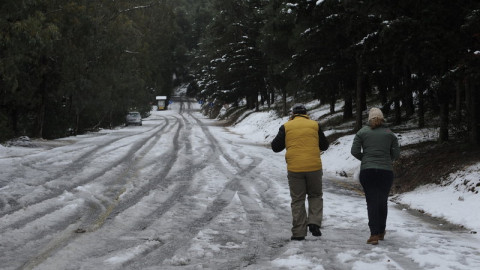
[300, 115]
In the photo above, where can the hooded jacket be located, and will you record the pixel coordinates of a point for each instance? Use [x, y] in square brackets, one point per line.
[304, 139]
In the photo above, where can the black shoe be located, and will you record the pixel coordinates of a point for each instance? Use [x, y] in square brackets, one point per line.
[314, 229]
[298, 238]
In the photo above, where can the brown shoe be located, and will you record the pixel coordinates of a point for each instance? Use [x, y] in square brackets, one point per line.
[373, 240]
[381, 236]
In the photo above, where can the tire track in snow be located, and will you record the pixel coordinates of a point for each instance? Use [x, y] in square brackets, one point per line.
[259, 226]
[75, 167]
[97, 212]
[168, 161]
[50, 200]
[31, 159]
[104, 217]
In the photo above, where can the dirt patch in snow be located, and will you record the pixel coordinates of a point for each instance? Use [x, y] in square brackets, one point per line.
[431, 163]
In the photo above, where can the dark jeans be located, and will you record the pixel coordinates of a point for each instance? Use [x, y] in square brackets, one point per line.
[376, 185]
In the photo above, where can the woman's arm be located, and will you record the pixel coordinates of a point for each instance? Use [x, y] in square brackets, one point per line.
[356, 149]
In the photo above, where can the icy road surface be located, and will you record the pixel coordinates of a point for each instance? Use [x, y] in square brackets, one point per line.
[181, 192]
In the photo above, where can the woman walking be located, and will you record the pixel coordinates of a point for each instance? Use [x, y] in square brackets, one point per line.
[376, 147]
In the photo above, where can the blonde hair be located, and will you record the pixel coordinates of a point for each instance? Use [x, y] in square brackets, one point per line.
[375, 122]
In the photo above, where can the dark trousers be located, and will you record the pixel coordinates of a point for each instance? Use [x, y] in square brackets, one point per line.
[376, 185]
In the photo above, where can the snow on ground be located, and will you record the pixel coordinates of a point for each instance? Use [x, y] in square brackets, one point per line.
[453, 201]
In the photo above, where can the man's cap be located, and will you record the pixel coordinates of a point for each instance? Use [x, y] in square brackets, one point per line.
[299, 108]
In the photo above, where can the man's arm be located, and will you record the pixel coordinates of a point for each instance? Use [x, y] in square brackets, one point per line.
[278, 144]
[322, 140]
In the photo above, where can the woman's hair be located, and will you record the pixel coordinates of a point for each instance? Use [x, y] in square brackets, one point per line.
[375, 118]
[375, 122]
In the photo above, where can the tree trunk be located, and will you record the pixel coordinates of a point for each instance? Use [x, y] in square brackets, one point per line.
[268, 95]
[444, 120]
[365, 86]
[348, 108]
[332, 104]
[284, 98]
[396, 100]
[272, 96]
[472, 98]
[14, 121]
[251, 102]
[359, 100]
[40, 120]
[458, 102]
[398, 111]
[382, 89]
[421, 109]
[407, 89]
[408, 101]
[77, 122]
[332, 97]
[475, 134]
[41, 111]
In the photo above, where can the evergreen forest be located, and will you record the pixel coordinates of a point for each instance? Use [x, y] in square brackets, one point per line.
[72, 66]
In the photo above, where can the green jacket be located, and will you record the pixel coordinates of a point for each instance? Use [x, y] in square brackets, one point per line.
[375, 148]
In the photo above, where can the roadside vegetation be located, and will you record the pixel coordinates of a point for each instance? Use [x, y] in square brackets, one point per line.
[67, 67]
[70, 67]
[419, 61]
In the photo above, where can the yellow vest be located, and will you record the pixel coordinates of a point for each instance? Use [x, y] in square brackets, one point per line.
[301, 142]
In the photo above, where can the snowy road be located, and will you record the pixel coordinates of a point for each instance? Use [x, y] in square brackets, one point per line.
[181, 192]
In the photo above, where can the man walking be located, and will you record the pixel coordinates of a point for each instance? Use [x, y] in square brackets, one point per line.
[304, 139]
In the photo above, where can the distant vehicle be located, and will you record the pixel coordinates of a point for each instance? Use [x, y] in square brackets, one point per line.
[133, 118]
[161, 102]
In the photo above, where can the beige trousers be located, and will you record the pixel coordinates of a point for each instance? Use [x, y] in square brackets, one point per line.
[305, 185]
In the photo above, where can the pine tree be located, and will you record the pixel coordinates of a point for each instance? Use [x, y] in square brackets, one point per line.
[230, 51]
[276, 35]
